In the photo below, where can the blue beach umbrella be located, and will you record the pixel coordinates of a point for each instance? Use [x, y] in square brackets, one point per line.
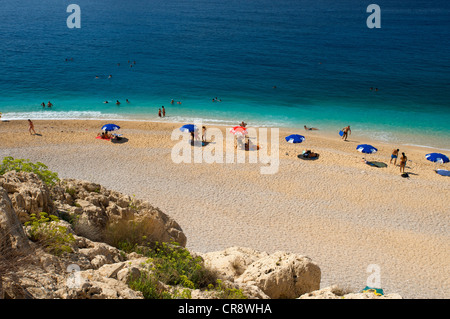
[437, 158]
[110, 127]
[295, 138]
[188, 128]
[366, 148]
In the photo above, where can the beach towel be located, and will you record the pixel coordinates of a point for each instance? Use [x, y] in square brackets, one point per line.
[443, 172]
[101, 138]
[376, 291]
[376, 164]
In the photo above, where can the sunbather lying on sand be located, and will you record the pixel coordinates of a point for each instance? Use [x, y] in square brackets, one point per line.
[309, 154]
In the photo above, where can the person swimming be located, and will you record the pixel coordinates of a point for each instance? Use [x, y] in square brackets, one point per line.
[117, 102]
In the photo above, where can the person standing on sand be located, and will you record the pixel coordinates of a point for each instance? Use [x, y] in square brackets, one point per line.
[394, 156]
[346, 130]
[31, 127]
[403, 160]
[203, 133]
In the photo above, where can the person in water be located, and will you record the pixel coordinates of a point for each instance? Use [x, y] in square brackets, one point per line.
[43, 105]
[163, 111]
[159, 113]
[117, 102]
[310, 128]
[49, 104]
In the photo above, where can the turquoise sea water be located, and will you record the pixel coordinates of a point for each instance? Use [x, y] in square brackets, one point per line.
[320, 56]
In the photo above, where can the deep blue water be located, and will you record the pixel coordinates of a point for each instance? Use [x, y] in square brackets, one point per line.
[319, 54]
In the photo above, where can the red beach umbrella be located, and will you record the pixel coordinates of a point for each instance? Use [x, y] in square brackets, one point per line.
[239, 130]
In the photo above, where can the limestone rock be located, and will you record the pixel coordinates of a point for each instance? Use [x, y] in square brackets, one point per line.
[334, 292]
[232, 262]
[28, 194]
[283, 275]
[12, 235]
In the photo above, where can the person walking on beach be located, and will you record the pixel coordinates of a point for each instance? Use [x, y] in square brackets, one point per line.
[31, 127]
[403, 160]
[394, 156]
[346, 130]
[159, 113]
[163, 111]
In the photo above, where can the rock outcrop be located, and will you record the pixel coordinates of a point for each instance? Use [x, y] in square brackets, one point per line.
[96, 270]
[93, 206]
[334, 292]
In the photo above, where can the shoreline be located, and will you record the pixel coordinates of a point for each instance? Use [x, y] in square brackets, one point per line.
[327, 132]
[338, 211]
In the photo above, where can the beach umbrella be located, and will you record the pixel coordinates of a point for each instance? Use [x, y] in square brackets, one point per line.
[188, 128]
[437, 158]
[366, 148]
[239, 130]
[110, 127]
[295, 138]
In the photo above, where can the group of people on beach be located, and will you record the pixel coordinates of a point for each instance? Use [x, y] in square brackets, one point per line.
[403, 159]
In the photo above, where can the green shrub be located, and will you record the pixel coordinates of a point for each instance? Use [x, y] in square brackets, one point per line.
[224, 292]
[147, 283]
[24, 165]
[174, 265]
[54, 238]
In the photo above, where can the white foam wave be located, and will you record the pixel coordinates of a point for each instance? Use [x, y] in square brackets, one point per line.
[69, 115]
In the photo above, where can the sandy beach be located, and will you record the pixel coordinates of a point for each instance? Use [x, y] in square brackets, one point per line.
[337, 210]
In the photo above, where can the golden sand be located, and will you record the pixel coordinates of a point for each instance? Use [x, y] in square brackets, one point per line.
[337, 210]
